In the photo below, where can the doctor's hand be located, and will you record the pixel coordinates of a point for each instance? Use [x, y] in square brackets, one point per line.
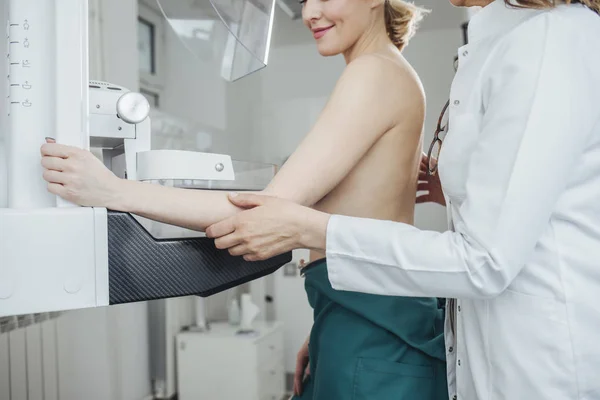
[78, 176]
[429, 184]
[268, 227]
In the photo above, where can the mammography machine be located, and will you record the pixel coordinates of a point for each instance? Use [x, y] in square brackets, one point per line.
[57, 256]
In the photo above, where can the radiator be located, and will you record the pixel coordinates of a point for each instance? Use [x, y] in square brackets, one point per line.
[28, 357]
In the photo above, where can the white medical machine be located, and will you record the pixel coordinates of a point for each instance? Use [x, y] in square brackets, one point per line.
[57, 256]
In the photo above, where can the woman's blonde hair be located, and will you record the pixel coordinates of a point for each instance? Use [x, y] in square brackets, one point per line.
[592, 4]
[401, 21]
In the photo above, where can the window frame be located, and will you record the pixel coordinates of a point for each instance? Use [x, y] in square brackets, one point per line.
[152, 83]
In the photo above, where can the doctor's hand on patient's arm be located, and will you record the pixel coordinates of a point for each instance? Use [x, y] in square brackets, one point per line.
[78, 176]
[429, 184]
[268, 227]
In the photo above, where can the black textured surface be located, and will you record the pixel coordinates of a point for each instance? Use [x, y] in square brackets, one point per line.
[142, 268]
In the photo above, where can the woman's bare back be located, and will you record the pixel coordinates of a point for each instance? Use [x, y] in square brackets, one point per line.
[383, 183]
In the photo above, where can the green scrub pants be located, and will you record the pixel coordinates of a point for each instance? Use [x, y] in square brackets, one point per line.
[371, 347]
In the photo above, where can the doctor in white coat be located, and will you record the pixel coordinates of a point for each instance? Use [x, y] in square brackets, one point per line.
[520, 170]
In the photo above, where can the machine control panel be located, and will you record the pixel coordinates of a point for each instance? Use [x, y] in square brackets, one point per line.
[22, 60]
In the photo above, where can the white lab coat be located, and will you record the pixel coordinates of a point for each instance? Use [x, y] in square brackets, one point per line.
[520, 167]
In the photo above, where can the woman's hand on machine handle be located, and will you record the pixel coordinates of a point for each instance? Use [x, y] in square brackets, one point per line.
[429, 184]
[78, 176]
[302, 368]
[268, 227]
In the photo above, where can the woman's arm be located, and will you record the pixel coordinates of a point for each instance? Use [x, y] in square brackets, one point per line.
[80, 177]
[360, 110]
[192, 209]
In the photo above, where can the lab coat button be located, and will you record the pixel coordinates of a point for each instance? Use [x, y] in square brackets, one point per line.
[459, 363]
[456, 102]
[465, 53]
[454, 397]
[451, 349]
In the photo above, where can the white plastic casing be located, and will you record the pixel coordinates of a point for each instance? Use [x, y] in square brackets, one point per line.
[53, 259]
[178, 164]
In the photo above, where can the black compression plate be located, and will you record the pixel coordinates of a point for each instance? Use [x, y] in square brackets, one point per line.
[144, 268]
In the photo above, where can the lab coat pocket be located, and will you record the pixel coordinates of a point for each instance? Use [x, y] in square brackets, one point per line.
[377, 379]
[533, 335]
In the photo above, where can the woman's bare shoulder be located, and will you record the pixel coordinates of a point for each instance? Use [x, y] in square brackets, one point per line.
[399, 82]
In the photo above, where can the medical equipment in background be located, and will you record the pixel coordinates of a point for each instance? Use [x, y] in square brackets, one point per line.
[232, 366]
[56, 256]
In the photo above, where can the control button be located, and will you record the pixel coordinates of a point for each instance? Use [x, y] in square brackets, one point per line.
[133, 107]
